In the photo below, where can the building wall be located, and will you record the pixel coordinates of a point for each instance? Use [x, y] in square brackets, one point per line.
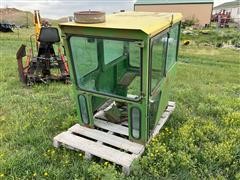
[202, 12]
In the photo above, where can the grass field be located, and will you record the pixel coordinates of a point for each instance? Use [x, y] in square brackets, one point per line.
[201, 141]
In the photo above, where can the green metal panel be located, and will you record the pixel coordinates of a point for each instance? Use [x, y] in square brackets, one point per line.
[101, 32]
[173, 1]
[109, 73]
[144, 102]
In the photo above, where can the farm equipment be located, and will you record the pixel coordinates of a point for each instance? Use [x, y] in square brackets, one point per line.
[122, 70]
[222, 18]
[6, 27]
[40, 68]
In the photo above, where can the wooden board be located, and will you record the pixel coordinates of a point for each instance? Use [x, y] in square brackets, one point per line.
[108, 144]
[107, 138]
[125, 123]
[164, 118]
[116, 128]
[127, 78]
[95, 148]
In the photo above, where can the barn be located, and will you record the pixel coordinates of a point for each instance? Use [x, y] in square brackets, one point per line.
[198, 9]
[233, 7]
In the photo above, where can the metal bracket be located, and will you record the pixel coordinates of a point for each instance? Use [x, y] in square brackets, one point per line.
[139, 44]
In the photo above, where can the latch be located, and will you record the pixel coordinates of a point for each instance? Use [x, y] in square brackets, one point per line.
[139, 44]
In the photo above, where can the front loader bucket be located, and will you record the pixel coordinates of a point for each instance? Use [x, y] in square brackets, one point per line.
[20, 54]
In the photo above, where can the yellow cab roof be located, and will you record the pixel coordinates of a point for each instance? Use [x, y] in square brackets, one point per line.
[148, 22]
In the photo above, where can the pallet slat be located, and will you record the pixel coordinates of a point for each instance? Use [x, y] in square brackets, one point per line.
[107, 138]
[95, 148]
[171, 103]
[111, 127]
[163, 119]
[125, 123]
[100, 115]
[96, 142]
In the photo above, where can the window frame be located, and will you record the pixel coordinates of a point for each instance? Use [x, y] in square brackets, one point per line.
[99, 92]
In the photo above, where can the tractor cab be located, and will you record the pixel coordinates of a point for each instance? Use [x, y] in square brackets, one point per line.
[122, 70]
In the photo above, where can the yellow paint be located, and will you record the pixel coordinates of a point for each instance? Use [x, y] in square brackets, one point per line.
[37, 22]
[148, 22]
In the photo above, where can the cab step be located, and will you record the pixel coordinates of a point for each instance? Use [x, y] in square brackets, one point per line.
[107, 141]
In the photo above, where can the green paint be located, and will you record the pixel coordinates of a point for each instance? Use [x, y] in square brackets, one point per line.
[126, 66]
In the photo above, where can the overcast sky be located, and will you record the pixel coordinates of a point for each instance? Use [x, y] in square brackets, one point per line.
[59, 8]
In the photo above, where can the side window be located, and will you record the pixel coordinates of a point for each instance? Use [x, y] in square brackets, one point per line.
[84, 52]
[172, 46]
[102, 65]
[134, 55]
[112, 50]
[158, 54]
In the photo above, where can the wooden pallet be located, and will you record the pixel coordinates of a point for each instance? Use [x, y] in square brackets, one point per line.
[107, 141]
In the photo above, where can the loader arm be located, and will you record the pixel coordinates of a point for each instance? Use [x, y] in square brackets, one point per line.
[38, 25]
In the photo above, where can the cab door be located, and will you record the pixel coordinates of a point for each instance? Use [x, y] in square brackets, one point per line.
[157, 77]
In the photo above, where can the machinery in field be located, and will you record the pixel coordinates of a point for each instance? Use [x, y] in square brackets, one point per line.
[222, 18]
[122, 70]
[6, 27]
[46, 65]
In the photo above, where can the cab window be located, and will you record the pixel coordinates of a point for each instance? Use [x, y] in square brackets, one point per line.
[172, 46]
[158, 54]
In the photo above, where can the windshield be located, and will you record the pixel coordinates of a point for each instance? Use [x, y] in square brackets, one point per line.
[110, 67]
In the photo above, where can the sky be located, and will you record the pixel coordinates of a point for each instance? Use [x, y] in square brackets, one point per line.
[62, 8]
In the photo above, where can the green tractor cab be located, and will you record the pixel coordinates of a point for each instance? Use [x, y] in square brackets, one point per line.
[122, 70]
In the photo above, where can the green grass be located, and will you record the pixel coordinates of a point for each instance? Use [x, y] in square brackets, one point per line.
[201, 140]
[215, 37]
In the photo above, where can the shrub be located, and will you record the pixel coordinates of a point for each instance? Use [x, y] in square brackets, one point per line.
[189, 22]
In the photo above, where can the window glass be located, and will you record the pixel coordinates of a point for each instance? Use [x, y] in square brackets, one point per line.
[134, 55]
[83, 109]
[94, 71]
[112, 50]
[84, 53]
[172, 46]
[158, 53]
[136, 120]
